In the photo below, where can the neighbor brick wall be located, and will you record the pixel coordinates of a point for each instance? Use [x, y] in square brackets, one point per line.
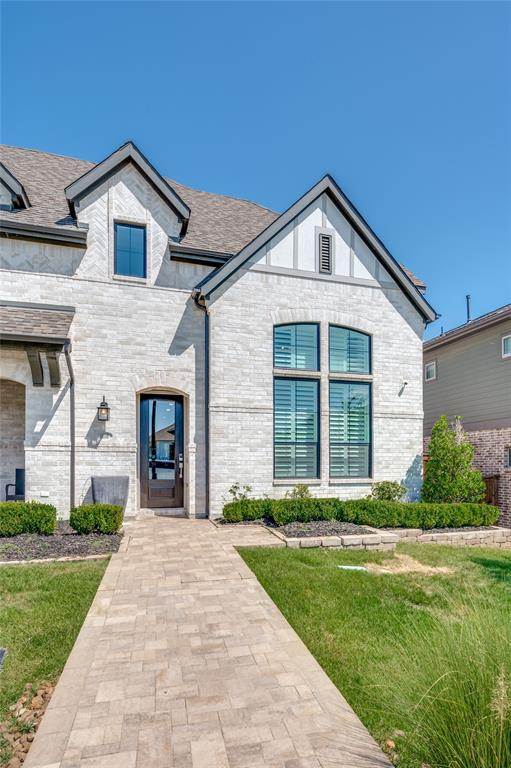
[490, 458]
[490, 451]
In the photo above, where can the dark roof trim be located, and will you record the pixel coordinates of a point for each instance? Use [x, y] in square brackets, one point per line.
[32, 305]
[19, 196]
[33, 341]
[473, 326]
[73, 237]
[327, 184]
[198, 255]
[127, 153]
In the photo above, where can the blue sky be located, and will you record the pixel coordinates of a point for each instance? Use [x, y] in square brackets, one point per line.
[407, 105]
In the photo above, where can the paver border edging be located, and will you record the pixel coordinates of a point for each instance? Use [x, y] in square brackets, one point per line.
[497, 536]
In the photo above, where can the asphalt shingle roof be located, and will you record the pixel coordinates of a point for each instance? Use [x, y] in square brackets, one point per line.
[34, 321]
[217, 223]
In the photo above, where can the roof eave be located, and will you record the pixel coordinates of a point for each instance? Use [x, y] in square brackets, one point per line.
[464, 331]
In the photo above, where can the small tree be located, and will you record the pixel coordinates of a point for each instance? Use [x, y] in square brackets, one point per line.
[449, 474]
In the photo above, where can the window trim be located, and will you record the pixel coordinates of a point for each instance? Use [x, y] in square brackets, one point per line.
[344, 478]
[134, 225]
[434, 364]
[292, 478]
[504, 354]
[316, 370]
[357, 330]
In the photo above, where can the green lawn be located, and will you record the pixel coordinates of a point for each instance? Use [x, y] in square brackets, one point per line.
[42, 608]
[429, 655]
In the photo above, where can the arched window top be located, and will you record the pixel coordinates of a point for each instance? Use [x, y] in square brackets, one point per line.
[296, 346]
[349, 350]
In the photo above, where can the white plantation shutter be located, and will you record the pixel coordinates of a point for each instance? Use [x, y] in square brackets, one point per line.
[325, 253]
[296, 346]
[350, 412]
[349, 351]
[296, 428]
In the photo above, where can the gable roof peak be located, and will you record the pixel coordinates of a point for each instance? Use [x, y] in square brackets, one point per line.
[18, 195]
[123, 155]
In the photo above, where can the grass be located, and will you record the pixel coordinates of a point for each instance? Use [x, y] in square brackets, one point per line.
[426, 656]
[42, 608]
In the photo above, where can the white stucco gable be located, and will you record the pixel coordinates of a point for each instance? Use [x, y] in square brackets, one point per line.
[290, 246]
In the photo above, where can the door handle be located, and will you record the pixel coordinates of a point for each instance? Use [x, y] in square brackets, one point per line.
[180, 466]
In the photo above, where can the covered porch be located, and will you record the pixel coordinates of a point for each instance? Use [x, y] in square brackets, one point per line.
[36, 376]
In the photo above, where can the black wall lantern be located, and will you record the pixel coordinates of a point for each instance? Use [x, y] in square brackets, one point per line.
[103, 410]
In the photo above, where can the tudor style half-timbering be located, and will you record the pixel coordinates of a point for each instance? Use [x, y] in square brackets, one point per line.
[230, 344]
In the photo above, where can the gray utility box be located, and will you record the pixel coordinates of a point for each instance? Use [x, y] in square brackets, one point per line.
[111, 489]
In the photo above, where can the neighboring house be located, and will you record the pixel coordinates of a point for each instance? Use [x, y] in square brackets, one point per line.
[467, 373]
[281, 349]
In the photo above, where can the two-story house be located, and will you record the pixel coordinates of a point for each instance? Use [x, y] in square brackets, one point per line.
[467, 373]
[187, 341]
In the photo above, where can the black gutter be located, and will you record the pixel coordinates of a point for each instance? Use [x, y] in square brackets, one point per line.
[76, 238]
[206, 399]
[197, 255]
[72, 429]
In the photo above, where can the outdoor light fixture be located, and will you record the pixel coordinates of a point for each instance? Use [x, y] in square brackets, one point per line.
[103, 410]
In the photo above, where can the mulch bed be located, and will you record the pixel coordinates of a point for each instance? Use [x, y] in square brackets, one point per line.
[322, 528]
[63, 543]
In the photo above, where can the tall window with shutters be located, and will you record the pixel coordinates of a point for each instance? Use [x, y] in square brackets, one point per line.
[296, 428]
[350, 403]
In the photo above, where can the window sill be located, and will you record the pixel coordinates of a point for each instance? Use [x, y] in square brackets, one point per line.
[294, 373]
[129, 279]
[351, 481]
[297, 481]
[350, 376]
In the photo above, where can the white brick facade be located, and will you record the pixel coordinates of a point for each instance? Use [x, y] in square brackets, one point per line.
[131, 336]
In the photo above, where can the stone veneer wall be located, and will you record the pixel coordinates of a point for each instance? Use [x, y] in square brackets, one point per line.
[12, 431]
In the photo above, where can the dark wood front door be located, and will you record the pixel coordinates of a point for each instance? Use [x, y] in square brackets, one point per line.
[161, 451]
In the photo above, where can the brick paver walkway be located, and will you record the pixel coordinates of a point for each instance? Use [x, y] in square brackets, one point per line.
[185, 662]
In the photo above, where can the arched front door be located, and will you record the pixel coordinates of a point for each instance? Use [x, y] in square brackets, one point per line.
[161, 451]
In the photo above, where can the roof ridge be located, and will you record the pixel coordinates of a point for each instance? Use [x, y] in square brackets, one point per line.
[49, 154]
[167, 178]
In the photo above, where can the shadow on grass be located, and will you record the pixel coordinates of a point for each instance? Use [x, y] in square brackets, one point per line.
[500, 570]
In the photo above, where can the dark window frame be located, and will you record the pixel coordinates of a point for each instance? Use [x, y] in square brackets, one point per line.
[318, 346]
[317, 381]
[369, 372]
[368, 384]
[120, 223]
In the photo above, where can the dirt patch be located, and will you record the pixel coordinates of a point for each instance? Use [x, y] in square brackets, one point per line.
[17, 732]
[406, 564]
[63, 543]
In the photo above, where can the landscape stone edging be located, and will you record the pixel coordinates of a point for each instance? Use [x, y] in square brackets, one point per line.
[498, 536]
[380, 540]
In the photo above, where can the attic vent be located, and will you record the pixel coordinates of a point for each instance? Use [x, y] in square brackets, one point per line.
[325, 253]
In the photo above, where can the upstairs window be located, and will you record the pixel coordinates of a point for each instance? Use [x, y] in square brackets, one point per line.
[350, 351]
[130, 250]
[296, 346]
[430, 371]
[506, 346]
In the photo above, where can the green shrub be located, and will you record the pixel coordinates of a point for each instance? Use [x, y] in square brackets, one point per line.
[449, 475]
[387, 490]
[378, 514]
[27, 517]
[300, 491]
[246, 509]
[96, 518]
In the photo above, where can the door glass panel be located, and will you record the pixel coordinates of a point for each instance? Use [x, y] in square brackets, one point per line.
[162, 439]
